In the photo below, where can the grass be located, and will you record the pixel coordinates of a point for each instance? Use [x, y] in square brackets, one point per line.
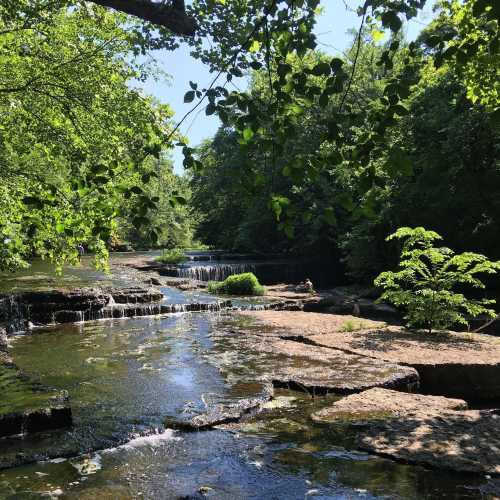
[237, 284]
[353, 326]
[173, 256]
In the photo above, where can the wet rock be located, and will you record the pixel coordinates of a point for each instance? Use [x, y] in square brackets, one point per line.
[135, 295]
[225, 413]
[351, 300]
[47, 418]
[3, 340]
[26, 407]
[465, 441]
[66, 306]
[320, 370]
[380, 403]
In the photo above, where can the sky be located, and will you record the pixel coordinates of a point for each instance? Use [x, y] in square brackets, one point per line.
[333, 38]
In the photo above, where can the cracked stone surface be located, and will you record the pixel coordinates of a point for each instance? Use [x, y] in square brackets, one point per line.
[453, 364]
[466, 441]
[377, 403]
[321, 370]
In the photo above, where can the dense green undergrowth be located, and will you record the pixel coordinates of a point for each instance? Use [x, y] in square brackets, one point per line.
[238, 284]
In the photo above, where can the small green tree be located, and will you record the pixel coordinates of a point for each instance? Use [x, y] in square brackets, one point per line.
[424, 285]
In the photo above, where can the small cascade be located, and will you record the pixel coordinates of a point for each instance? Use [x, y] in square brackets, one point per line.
[12, 313]
[21, 312]
[216, 272]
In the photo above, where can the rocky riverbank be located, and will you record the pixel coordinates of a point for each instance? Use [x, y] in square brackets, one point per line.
[373, 371]
[432, 430]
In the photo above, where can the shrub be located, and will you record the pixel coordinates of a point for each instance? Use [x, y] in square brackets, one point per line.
[424, 285]
[173, 256]
[238, 284]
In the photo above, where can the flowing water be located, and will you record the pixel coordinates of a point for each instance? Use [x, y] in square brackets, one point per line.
[127, 378]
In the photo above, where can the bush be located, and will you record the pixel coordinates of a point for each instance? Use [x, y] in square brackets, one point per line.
[173, 256]
[424, 285]
[238, 284]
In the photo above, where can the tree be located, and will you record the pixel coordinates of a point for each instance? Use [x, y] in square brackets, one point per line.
[425, 286]
[245, 35]
[73, 134]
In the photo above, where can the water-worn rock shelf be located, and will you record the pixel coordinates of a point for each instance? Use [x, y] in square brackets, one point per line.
[452, 364]
[428, 430]
[27, 407]
[319, 370]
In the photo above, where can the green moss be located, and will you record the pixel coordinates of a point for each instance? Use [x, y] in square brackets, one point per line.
[174, 256]
[18, 394]
[238, 284]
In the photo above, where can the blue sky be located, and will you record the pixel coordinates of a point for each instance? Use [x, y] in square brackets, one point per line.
[332, 32]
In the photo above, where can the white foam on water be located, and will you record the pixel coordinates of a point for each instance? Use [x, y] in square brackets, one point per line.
[151, 441]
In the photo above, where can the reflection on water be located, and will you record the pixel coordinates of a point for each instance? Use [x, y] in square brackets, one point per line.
[126, 377]
[41, 275]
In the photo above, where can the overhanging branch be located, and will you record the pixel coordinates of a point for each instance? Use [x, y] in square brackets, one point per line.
[172, 16]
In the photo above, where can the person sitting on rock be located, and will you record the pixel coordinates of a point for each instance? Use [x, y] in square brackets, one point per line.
[306, 286]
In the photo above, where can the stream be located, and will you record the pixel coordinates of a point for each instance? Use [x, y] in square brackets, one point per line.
[127, 378]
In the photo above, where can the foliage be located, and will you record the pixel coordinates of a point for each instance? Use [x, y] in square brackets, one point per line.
[238, 284]
[171, 216]
[172, 256]
[425, 286]
[75, 137]
[466, 36]
[318, 142]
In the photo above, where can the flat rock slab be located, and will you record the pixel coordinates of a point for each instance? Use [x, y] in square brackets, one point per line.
[320, 370]
[452, 364]
[225, 413]
[26, 407]
[377, 403]
[465, 441]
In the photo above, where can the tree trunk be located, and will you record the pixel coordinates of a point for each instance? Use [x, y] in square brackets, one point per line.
[171, 16]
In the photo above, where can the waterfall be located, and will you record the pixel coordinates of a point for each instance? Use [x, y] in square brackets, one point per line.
[216, 272]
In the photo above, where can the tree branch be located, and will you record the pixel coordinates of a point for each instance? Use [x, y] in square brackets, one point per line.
[173, 17]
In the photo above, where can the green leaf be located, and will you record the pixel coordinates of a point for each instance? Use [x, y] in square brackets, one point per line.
[33, 201]
[189, 96]
[390, 19]
[336, 63]
[248, 133]
[399, 109]
[136, 190]
[321, 69]
[329, 216]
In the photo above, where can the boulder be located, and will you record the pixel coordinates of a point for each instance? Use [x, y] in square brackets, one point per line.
[451, 364]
